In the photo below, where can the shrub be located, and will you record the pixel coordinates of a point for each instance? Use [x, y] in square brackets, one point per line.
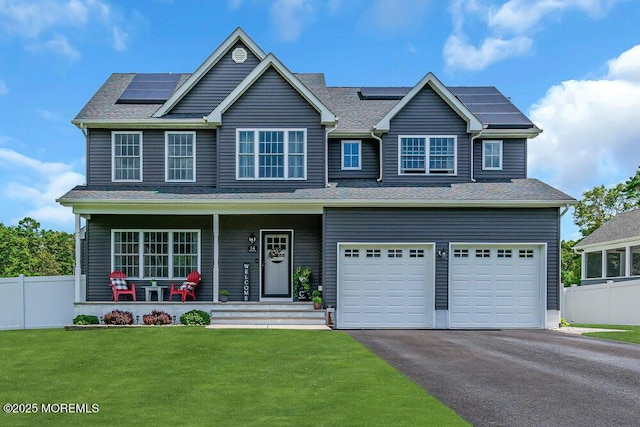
[157, 317]
[86, 319]
[564, 323]
[118, 317]
[195, 317]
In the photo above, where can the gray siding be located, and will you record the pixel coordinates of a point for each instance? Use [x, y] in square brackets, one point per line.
[271, 103]
[514, 161]
[234, 231]
[153, 158]
[370, 161]
[425, 114]
[99, 250]
[441, 226]
[214, 86]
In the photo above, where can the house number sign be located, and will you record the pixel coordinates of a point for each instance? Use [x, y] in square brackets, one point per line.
[246, 281]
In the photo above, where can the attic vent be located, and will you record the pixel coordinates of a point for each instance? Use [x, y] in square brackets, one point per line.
[239, 55]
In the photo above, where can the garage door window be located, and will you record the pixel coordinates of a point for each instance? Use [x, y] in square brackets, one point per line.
[373, 253]
[461, 253]
[351, 253]
[525, 253]
[416, 253]
[483, 253]
[504, 253]
[394, 253]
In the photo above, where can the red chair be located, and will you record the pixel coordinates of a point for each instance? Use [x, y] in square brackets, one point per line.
[118, 282]
[188, 287]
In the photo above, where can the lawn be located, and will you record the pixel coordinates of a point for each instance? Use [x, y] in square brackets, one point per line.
[196, 376]
[631, 334]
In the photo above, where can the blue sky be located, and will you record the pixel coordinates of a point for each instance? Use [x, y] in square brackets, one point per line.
[573, 66]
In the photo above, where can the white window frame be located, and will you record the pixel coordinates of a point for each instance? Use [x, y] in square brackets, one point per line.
[359, 144]
[484, 155]
[141, 249]
[427, 150]
[256, 154]
[166, 155]
[113, 155]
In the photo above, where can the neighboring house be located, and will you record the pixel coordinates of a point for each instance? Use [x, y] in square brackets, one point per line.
[612, 252]
[411, 206]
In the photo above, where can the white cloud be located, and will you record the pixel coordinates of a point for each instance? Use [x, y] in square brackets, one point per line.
[36, 185]
[120, 39]
[3, 87]
[49, 116]
[591, 129]
[235, 4]
[45, 23]
[394, 16]
[289, 17]
[509, 28]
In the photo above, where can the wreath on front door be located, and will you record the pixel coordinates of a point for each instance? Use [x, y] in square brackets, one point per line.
[276, 254]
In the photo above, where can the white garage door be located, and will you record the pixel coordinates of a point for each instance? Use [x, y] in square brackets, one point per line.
[496, 287]
[385, 286]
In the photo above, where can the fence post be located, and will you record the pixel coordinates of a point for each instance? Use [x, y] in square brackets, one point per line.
[24, 301]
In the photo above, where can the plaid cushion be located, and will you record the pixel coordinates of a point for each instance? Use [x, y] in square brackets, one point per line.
[187, 285]
[120, 284]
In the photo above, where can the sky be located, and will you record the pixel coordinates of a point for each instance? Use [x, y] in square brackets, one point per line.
[572, 66]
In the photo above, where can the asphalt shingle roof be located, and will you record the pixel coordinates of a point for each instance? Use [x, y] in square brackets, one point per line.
[517, 190]
[622, 226]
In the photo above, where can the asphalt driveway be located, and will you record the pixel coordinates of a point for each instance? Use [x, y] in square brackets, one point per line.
[519, 378]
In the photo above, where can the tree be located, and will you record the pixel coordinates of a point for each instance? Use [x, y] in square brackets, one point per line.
[599, 205]
[632, 187]
[571, 263]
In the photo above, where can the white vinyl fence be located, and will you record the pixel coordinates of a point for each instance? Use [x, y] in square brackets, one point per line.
[607, 303]
[36, 302]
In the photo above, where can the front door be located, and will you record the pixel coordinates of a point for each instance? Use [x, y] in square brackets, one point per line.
[276, 264]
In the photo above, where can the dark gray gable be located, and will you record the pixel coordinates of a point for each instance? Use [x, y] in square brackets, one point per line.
[214, 86]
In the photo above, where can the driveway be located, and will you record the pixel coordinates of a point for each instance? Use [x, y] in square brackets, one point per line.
[518, 378]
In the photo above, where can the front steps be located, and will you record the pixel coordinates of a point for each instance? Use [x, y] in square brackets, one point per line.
[263, 313]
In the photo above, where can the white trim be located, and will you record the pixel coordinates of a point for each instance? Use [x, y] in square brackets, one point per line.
[170, 254]
[431, 284]
[166, 155]
[500, 154]
[262, 261]
[351, 141]
[473, 124]
[612, 244]
[256, 154]
[113, 155]
[237, 35]
[427, 155]
[216, 256]
[137, 124]
[78, 260]
[326, 116]
[542, 265]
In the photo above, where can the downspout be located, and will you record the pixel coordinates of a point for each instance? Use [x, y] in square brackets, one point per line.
[374, 136]
[326, 153]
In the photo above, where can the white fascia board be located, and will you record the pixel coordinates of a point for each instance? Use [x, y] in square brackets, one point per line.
[357, 133]
[326, 116]
[612, 244]
[237, 35]
[473, 124]
[511, 133]
[142, 123]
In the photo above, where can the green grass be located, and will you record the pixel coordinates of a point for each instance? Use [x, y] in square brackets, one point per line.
[631, 334]
[195, 376]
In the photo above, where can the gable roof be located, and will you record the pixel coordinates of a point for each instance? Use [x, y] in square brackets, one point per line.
[270, 61]
[237, 35]
[473, 124]
[622, 227]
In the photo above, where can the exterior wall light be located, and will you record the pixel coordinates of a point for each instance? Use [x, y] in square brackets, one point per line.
[252, 239]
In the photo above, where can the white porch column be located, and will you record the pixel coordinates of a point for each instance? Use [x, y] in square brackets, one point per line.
[604, 264]
[216, 247]
[78, 269]
[627, 261]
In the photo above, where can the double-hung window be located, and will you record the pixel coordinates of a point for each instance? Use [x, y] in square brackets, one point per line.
[156, 253]
[351, 155]
[126, 149]
[180, 149]
[271, 154]
[427, 155]
[491, 155]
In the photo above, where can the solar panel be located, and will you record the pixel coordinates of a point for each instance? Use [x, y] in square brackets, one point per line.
[149, 89]
[383, 93]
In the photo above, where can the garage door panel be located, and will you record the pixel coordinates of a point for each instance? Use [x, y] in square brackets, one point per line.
[387, 286]
[502, 288]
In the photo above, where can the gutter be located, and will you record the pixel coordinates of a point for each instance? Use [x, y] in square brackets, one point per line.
[374, 136]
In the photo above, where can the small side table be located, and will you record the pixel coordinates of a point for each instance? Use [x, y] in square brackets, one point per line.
[159, 289]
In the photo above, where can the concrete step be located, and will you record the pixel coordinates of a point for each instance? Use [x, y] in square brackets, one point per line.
[266, 306]
[269, 313]
[266, 320]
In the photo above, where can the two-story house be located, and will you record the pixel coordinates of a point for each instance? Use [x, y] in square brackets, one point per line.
[410, 205]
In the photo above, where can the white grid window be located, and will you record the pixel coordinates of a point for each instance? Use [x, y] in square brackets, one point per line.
[373, 253]
[461, 253]
[483, 253]
[126, 251]
[156, 253]
[272, 154]
[351, 155]
[427, 155]
[394, 253]
[181, 156]
[504, 253]
[525, 253]
[416, 253]
[492, 155]
[127, 156]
